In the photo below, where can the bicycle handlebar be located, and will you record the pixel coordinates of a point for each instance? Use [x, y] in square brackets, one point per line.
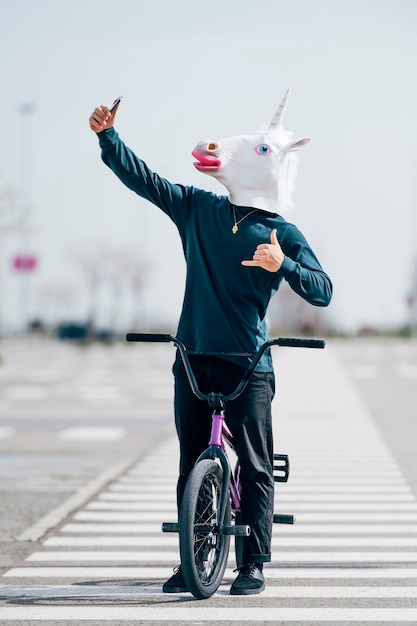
[299, 343]
[289, 342]
[150, 337]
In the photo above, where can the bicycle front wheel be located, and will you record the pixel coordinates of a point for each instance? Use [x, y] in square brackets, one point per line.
[204, 551]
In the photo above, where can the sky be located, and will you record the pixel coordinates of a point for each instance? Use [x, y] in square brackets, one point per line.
[189, 70]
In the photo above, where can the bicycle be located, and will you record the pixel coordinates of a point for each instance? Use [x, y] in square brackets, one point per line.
[210, 510]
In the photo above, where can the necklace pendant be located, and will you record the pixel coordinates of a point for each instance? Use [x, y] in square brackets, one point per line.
[235, 229]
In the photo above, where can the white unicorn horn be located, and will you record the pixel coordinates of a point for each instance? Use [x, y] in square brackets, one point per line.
[279, 115]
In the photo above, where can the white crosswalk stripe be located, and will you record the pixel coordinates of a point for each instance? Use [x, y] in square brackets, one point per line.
[6, 431]
[351, 556]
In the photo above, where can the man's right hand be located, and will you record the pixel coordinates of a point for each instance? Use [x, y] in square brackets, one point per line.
[101, 118]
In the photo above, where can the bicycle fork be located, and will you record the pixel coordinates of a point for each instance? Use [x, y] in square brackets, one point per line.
[215, 451]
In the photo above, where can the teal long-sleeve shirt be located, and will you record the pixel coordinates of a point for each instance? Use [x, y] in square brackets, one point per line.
[224, 303]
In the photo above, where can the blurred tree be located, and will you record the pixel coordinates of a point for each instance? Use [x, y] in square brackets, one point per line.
[411, 301]
[115, 269]
[288, 313]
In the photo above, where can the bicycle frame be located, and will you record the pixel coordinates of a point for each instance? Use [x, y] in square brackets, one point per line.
[220, 438]
[219, 432]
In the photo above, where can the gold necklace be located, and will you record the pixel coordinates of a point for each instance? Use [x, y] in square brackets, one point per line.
[235, 226]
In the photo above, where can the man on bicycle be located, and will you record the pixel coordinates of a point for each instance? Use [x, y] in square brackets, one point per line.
[238, 250]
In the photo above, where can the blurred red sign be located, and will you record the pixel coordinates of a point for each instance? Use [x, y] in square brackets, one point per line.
[25, 263]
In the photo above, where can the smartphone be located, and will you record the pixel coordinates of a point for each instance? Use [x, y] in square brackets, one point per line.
[115, 103]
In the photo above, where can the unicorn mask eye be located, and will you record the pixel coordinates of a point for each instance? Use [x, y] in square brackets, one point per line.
[263, 149]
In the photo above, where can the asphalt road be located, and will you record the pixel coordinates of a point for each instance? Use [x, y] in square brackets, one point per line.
[385, 374]
[78, 423]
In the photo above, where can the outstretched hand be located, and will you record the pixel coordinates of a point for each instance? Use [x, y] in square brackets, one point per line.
[269, 256]
[101, 118]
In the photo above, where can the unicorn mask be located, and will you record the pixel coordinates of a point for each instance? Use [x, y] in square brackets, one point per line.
[258, 170]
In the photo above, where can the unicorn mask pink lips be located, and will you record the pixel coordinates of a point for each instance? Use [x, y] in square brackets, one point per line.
[205, 161]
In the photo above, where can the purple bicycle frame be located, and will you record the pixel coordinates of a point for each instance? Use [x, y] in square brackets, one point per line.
[222, 437]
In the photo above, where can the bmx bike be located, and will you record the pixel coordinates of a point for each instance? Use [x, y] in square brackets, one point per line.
[210, 509]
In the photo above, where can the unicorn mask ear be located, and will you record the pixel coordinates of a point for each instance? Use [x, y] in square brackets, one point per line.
[297, 144]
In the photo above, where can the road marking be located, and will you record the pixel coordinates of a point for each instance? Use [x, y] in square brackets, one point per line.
[147, 500]
[140, 591]
[111, 528]
[298, 528]
[161, 573]
[6, 431]
[171, 539]
[364, 371]
[215, 614]
[84, 433]
[26, 392]
[99, 392]
[407, 371]
[162, 490]
[305, 556]
[92, 516]
[325, 505]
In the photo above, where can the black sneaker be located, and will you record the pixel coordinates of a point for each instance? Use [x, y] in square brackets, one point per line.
[249, 581]
[175, 584]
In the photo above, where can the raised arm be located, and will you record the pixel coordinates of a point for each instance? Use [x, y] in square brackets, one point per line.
[173, 199]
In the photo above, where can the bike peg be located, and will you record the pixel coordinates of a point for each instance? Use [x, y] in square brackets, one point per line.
[170, 527]
[281, 468]
[284, 519]
[239, 530]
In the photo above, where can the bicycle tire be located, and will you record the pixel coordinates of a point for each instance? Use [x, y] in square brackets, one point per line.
[204, 553]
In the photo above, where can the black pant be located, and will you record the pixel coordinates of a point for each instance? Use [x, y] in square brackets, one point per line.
[249, 420]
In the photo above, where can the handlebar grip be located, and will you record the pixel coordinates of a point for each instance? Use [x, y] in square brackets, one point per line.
[149, 337]
[300, 343]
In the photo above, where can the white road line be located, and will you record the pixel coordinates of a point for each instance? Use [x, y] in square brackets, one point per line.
[5, 432]
[140, 591]
[407, 371]
[84, 433]
[350, 506]
[364, 371]
[197, 613]
[99, 392]
[91, 516]
[306, 475]
[350, 480]
[111, 528]
[165, 505]
[26, 392]
[154, 492]
[299, 528]
[153, 556]
[154, 495]
[171, 539]
[141, 499]
[162, 573]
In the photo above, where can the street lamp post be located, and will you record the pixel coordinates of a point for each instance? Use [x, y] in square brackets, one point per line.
[24, 263]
